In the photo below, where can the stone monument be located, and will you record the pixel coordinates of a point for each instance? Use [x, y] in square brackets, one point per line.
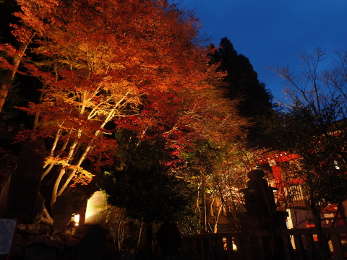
[263, 226]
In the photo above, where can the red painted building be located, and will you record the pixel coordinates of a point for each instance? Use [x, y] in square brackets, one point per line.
[289, 192]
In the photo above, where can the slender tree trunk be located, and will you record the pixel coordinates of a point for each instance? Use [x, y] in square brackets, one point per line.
[55, 192]
[83, 213]
[37, 114]
[56, 186]
[139, 238]
[74, 171]
[85, 153]
[45, 216]
[215, 228]
[211, 207]
[120, 235]
[204, 217]
[5, 87]
[54, 145]
[58, 192]
[62, 149]
[197, 202]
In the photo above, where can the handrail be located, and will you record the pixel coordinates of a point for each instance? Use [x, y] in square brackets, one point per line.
[302, 244]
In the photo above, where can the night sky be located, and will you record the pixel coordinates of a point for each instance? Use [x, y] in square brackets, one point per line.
[273, 33]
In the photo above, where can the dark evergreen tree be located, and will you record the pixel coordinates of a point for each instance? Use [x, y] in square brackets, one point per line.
[255, 101]
[145, 189]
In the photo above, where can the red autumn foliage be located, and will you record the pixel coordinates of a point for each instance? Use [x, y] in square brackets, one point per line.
[130, 61]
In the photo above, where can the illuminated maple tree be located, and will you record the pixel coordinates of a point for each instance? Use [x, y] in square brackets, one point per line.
[34, 15]
[103, 60]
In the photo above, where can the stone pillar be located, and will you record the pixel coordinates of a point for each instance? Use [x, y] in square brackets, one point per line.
[262, 223]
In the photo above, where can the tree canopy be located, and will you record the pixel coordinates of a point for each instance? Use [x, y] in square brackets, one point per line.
[241, 81]
[314, 126]
[111, 65]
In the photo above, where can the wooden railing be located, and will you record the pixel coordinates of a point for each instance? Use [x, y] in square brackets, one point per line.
[311, 245]
[211, 246]
[298, 244]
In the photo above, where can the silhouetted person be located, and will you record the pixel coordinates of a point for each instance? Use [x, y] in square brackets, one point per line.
[169, 240]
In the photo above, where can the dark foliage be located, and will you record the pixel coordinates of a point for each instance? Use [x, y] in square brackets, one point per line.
[321, 142]
[146, 190]
[7, 7]
[24, 88]
[255, 102]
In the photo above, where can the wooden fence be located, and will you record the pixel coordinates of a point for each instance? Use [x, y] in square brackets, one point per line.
[297, 244]
[307, 243]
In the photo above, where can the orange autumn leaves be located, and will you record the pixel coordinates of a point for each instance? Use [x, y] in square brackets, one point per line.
[130, 62]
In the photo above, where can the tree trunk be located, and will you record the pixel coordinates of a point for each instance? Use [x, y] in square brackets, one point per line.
[82, 212]
[45, 217]
[4, 89]
[215, 228]
[62, 172]
[204, 212]
[85, 152]
[56, 186]
[120, 235]
[139, 238]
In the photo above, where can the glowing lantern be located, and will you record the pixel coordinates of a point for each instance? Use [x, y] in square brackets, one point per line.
[76, 219]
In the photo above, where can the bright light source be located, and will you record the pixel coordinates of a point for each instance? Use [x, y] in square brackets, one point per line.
[234, 246]
[76, 219]
[96, 204]
[225, 243]
[336, 164]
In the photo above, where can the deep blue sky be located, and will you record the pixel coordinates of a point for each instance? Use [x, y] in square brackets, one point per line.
[273, 33]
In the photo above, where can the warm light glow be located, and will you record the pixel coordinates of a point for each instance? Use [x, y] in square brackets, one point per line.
[289, 219]
[234, 246]
[331, 246]
[226, 246]
[336, 164]
[225, 243]
[76, 219]
[96, 204]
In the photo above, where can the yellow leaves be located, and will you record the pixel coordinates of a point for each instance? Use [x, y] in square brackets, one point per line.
[107, 57]
[135, 60]
[122, 86]
[64, 163]
[83, 46]
[117, 66]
